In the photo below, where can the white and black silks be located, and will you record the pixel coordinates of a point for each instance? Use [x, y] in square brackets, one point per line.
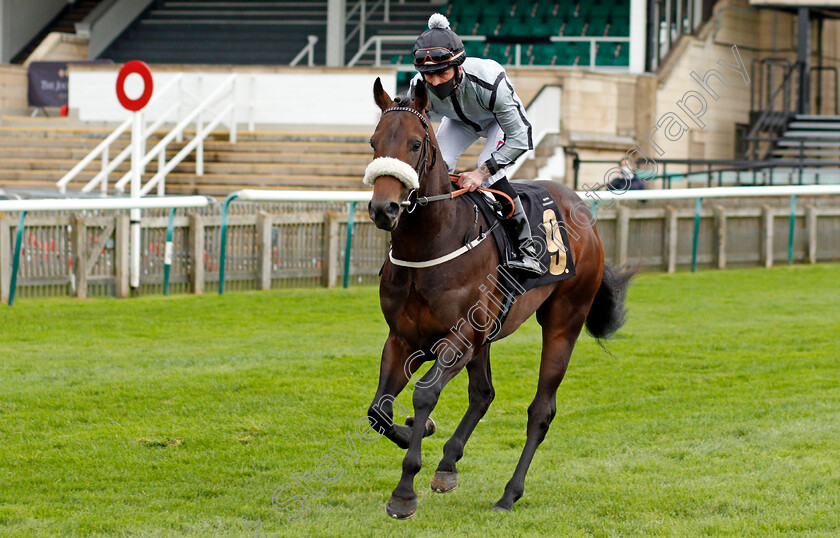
[484, 97]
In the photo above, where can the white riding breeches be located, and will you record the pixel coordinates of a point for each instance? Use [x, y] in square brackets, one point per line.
[454, 138]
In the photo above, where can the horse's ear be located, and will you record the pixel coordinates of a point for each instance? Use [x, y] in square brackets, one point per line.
[383, 100]
[421, 97]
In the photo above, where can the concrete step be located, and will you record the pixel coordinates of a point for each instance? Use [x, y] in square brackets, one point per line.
[794, 153]
[809, 143]
[209, 145]
[62, 166]
[74, 155]
[55, 132]
[810, 134]
[814, 125]
[100, 133]
[815, 117]
[11, 178]
[48, 165]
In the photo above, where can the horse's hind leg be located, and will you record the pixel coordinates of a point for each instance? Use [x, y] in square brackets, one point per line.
[561, 327]
[481, 395]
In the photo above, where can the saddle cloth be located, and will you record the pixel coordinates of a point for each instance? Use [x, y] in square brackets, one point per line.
[547, 229]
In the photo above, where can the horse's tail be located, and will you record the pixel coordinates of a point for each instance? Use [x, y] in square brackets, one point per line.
[607, 314]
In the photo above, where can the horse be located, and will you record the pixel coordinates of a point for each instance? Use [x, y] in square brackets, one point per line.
[425, 306]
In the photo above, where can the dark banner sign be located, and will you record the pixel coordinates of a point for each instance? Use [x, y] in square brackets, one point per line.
[48, 82]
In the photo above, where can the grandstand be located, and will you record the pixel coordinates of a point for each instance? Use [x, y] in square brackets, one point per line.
[620, 65]
[223, 32]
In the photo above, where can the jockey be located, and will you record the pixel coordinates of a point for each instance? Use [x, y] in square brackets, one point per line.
[475, 99]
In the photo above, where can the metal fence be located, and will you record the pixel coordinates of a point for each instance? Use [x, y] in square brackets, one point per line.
[304, 248]
[296, 244]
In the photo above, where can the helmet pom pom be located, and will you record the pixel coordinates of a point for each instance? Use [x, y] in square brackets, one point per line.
[437, 20]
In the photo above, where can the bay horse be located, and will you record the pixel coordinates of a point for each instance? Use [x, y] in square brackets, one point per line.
[426, 307]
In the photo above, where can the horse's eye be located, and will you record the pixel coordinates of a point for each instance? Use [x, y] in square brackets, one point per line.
[371, 143]
[415, 146]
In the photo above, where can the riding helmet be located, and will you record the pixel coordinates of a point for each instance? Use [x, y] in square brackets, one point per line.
[438, 47]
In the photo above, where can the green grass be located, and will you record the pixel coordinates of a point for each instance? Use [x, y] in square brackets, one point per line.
[718, 413]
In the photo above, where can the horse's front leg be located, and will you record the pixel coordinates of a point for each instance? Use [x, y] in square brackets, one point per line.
[395, 370]
[403, 501]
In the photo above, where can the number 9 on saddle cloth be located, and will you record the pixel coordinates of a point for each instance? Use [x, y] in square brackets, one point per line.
[548, 230]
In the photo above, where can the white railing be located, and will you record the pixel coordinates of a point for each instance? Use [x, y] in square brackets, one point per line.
[711, 192]
[95, 204]
[103, 149]
[280, 195]
[202, 130]
[377, 41]
[308, 50]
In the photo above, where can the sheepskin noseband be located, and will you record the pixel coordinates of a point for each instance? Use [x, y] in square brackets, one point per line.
[388, 166]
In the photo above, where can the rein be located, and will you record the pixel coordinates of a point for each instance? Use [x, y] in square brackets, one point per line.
[413, 200]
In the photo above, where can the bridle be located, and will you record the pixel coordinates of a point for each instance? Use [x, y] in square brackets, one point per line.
[423, 164]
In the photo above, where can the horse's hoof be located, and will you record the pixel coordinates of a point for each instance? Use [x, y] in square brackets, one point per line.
[502, 506]
[399, 508]
[444, 481]
[431, 427]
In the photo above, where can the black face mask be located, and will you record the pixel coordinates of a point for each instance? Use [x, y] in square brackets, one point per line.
[445, 89]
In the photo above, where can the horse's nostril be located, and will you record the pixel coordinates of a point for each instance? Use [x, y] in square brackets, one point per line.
[393, 210]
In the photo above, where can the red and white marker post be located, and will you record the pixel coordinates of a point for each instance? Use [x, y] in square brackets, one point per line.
[138, 140]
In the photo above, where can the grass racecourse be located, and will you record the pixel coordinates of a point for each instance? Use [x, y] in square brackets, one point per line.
[717, 413]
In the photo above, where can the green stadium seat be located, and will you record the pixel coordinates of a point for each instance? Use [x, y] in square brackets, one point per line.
[495, 11]
[490, 26]
[470, 10]
[612, 54]
[599, 11]
[525, 27]
[499, 52]
[566, 9]
[544, 28]
[465, 25]
[572, 27]
[475, 48]
[619, 26]
[596, 27]
[561, 53]
[547, 9]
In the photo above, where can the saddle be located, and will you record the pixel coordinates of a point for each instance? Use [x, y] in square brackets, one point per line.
[547, 228]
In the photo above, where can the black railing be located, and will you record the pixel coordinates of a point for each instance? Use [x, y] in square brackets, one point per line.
[773, 115]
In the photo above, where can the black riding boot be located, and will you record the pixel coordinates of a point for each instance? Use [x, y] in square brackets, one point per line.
[519, 232]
